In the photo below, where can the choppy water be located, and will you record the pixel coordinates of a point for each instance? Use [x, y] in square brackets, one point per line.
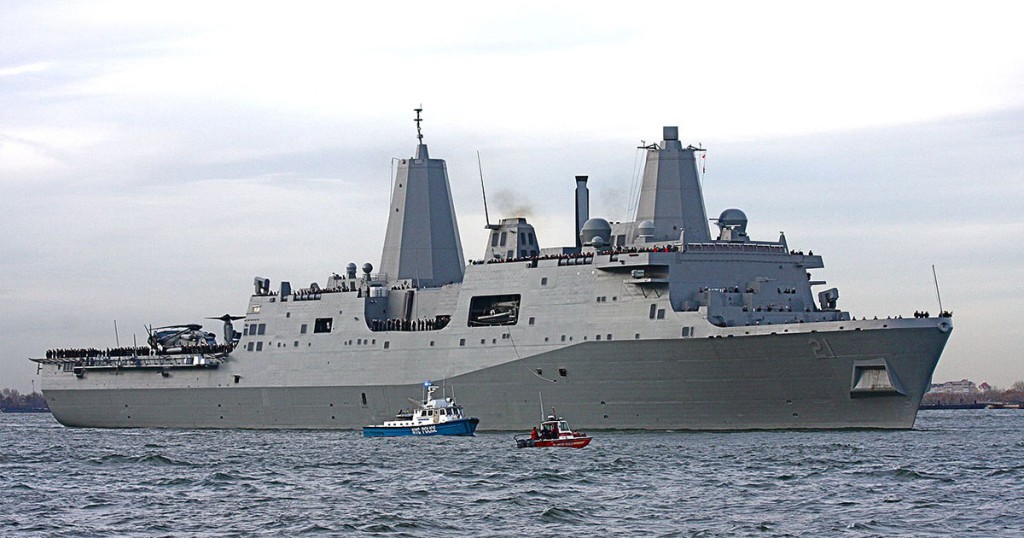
[957, 473]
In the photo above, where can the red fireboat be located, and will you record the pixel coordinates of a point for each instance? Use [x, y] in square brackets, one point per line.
[553, 432]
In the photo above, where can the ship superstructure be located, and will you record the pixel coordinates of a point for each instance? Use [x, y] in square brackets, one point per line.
[653, 324]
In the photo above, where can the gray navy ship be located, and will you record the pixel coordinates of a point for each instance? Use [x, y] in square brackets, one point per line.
[659, 323]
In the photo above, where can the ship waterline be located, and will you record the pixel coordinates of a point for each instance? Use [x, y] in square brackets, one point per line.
[650, 324]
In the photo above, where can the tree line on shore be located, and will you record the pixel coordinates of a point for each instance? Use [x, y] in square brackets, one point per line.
[1012, 395]
[12, 400]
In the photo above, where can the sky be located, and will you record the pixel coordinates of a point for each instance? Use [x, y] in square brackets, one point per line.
[155, 157]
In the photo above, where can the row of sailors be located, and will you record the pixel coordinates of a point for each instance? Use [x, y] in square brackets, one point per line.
[736, 289]
[141, 351]
[627, 250]
[925, 314]
[75, 353]
[773, 308]
[426, 324]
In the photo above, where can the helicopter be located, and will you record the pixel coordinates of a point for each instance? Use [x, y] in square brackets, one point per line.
[173, 338]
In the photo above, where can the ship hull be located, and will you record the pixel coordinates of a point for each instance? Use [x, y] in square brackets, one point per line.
[464, 426]
[805, 379]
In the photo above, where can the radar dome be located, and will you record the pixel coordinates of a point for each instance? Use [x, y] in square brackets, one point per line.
[734, 219]
[367, 268]
[645, 228]
[595, 229]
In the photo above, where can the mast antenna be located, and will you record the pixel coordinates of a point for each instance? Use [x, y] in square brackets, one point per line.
[419, 132]
[937, 295]
[480, 166]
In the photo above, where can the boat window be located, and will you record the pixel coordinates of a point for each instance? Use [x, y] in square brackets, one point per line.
[491, 310]
[504, 236]
[654, 310]
[303, 328]
[494, 239]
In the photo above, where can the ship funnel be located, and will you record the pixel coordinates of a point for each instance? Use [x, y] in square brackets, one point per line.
[582, 206]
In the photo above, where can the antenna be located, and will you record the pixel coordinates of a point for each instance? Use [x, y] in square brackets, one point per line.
[117, 340]
[479, 165]
[541, 396]
[419, 133]
[936, 279]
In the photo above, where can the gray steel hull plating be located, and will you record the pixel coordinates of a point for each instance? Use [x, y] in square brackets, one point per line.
[802, 380]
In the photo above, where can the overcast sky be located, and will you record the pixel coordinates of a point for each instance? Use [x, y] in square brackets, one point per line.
[153, 159]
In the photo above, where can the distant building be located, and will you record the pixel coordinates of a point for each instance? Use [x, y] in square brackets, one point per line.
[963, 386]
[984, 387]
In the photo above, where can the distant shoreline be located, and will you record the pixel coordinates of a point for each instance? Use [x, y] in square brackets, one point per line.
[985, 405]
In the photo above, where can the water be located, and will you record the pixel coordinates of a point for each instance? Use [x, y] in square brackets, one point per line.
[957, 473]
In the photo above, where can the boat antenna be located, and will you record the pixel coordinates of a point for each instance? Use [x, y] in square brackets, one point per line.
[117, 340]
[419, 132]
[541, 397]
[480, 166]
[937, 295]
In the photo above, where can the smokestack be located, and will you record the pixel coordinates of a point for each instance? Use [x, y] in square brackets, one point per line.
[582, 206]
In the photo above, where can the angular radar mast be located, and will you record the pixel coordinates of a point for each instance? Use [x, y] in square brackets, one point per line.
[671, 196]
[422, 240]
